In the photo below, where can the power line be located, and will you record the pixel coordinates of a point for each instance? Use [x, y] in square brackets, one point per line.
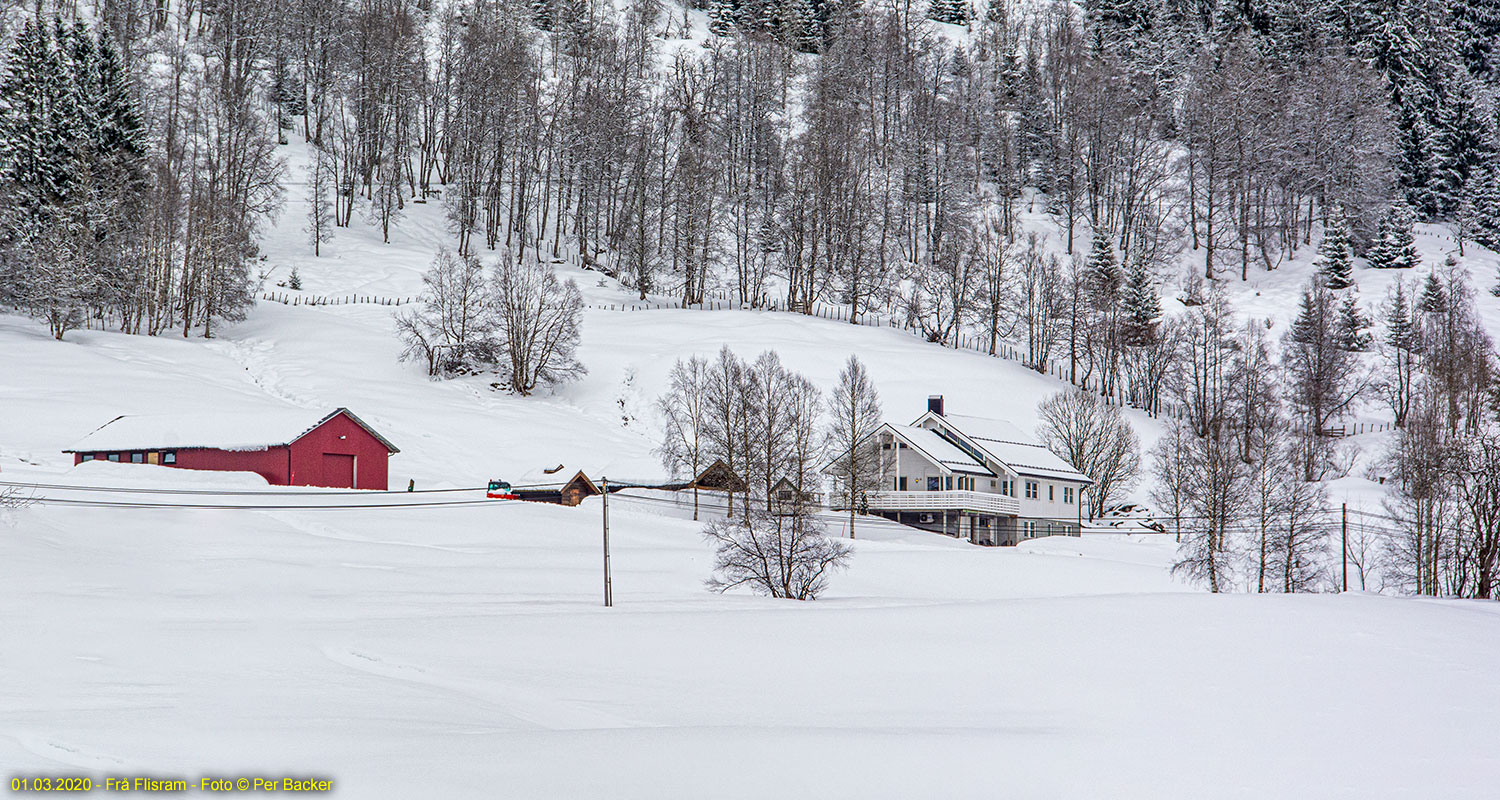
[60, 501]
[256, 492]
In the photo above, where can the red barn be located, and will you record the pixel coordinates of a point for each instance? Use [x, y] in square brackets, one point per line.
[287, 449]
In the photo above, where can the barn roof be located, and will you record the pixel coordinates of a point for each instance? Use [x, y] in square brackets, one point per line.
[252, 431]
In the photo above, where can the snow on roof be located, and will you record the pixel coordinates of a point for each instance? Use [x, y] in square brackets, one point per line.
[1009, 445]
[258, 430]
[939, 449]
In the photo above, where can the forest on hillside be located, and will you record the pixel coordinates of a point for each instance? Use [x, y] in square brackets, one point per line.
[877, 155]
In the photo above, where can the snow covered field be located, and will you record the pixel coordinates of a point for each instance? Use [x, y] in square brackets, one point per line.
[462, 652]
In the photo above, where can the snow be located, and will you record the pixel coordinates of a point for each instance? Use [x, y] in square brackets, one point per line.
[224, 431]
[1009, 445]
[463, 651]
[939, 449]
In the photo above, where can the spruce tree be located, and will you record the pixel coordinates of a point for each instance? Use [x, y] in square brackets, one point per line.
[1400, 328]
[1463, 144]
[1403, 246]
[1142, 306]
[1379, 255]
[1101, 270]
[1335, 261]
[1434, 299]
[804, 29]
[721, 17]
[1351, 325]
[30, 151]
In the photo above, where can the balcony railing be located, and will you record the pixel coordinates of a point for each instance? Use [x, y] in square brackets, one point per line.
[978, 502]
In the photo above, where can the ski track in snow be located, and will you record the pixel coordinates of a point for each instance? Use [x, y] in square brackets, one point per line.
[529, 707]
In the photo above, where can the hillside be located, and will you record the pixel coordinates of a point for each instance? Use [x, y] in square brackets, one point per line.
[401, 650]
[186, 624]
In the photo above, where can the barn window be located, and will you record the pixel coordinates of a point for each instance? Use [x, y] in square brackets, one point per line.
[114, 456]
[88, 457]
[137, 458]
[169, 457]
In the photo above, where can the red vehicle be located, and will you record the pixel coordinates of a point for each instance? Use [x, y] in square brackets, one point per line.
[499, 490]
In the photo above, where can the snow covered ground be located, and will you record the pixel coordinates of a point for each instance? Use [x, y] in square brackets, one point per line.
[462, 652]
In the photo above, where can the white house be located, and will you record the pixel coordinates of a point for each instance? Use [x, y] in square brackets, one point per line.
[976, 478]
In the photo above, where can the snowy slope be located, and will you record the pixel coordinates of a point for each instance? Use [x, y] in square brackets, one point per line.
[461, 652]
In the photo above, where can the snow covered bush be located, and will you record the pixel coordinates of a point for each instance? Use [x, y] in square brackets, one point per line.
[520, 321]
[452, 330]
[537, 321]
[784, 554]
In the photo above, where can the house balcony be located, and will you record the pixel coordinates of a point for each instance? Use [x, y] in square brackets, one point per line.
[969, 501]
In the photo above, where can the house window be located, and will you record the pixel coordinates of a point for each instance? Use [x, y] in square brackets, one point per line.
[169, 457]
[992, 484]
[1031, 491]
[1005, 487]
[948, 482]
[1030, 530]
[87, 457]
[114, 456]
[1050, 496]
[934, 484]
[1068, 495]
[901, 484]
[137, 458]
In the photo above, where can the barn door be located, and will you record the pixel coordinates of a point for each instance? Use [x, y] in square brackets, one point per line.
[338, 471]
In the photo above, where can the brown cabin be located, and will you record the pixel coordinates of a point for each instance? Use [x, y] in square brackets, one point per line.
[571, 493]
[577, 488]
[716, 477]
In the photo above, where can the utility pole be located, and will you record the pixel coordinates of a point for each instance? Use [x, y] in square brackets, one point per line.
[1345, 536]
[609, 598]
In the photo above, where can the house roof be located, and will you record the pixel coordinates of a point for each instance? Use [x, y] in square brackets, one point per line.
[254, 431]
[938, 449]
[1009, 445]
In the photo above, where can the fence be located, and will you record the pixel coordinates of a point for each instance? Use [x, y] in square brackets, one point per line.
[323, 300]
[1003, 348]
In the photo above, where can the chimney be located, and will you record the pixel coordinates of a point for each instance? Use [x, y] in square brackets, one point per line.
[935, 404]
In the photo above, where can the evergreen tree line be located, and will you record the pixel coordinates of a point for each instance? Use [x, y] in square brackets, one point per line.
[132, 196]
[886, 173]
[1437, 62]
[1239, 474]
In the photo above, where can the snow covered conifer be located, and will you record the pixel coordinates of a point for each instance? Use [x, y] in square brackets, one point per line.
[721, 17]
[1142, 306]
[1434, 299]
[1350, 329]
[1379, 255]
[804, 29]
[1335, 261]
[1403, 246]
[29, 147]
[1102, 272]
[1399, 352]
[953, 12]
